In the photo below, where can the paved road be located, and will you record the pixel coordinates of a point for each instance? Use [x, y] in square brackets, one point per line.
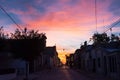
[61, 74]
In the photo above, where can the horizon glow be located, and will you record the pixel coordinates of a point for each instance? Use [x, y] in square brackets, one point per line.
[67, 23]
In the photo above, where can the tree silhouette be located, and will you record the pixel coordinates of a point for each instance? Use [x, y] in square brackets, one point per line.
[27, 45]
[114, 38]
[2, 34]
[3, 38]
[100, 38]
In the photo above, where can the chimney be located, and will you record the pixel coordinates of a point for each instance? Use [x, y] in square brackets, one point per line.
[85, 43]
[54, 46]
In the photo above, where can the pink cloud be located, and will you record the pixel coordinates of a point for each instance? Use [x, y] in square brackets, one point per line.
[67, 16]
[67, 21]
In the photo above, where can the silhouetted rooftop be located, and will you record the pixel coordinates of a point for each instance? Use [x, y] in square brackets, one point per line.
[51, 51]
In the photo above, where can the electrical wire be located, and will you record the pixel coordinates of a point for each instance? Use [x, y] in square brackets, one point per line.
[10, 18]
[113, 25]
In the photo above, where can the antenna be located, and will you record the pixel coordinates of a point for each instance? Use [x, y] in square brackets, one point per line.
[10, 18]
[96, 14]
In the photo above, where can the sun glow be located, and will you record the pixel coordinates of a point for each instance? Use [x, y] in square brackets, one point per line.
[62, 57]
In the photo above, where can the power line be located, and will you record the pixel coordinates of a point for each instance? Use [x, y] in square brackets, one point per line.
[10, 18]
[113, 25]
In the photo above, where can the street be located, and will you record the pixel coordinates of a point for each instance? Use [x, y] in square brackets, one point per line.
[63, 74]
[60, 74]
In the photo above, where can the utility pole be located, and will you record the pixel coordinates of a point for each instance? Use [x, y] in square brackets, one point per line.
[96, 15]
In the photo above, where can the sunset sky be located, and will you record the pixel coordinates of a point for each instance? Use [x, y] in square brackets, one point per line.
[67, 23]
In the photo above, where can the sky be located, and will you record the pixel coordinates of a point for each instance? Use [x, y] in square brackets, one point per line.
[67, 23]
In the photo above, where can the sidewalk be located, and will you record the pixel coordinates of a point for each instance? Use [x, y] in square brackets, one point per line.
[94, 76]
[31, 77]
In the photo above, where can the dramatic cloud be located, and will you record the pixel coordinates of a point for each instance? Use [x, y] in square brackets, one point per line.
[67, 23]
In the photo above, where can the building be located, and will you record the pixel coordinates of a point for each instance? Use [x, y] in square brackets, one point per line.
[50, 57]
[70, 61]
[102, 59]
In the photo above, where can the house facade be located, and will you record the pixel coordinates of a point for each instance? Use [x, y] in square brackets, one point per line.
[70, 60]
[50, 57]
[103, 59]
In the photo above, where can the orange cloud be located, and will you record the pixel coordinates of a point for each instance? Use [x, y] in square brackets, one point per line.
[67, 25]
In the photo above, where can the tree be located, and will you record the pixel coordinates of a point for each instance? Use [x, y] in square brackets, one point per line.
[114, 38]
[100, 38]
[27, 44]
[3, 38]
[2, 34]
